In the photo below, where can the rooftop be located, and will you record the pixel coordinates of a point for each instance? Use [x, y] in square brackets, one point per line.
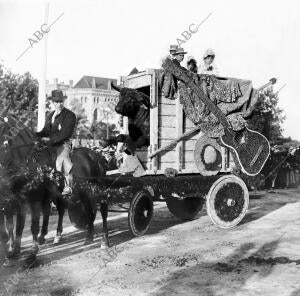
[95, 82]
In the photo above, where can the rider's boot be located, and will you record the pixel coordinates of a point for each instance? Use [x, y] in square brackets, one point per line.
[68, 184]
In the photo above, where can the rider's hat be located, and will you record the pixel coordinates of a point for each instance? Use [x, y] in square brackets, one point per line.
[57, 96]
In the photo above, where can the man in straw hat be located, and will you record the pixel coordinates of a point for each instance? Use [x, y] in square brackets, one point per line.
[59, 127]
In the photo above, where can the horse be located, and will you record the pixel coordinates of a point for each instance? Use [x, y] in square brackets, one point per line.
[18, 144]
[136, 106]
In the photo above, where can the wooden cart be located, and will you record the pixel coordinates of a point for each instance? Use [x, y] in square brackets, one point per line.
[225, 194]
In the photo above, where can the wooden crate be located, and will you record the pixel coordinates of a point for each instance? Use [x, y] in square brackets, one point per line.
[167, 122]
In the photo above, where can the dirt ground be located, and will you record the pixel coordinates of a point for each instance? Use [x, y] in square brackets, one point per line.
[261, 256]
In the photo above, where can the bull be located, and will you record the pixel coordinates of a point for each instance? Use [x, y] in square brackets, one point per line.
[136, 106]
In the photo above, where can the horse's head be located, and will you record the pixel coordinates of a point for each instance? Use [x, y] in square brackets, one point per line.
[130, 101]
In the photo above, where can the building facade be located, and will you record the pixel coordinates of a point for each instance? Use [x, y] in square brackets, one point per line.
[95, 96]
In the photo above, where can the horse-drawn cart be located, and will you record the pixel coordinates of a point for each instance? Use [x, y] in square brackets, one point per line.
[186, 173]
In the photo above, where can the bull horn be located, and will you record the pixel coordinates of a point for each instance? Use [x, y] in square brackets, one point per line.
[115, 87]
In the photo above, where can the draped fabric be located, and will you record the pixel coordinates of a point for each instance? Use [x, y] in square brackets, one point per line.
[235, 97]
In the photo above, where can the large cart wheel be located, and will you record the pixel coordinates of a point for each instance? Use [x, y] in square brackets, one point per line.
[140, 213]
[80, 214]
[185, 209]
[227, 201]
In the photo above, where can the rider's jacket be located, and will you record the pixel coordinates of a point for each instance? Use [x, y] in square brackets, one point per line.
[61, 129]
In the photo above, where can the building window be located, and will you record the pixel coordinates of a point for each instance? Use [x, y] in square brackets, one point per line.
[85, 99]
[98, 100]
[95, 115]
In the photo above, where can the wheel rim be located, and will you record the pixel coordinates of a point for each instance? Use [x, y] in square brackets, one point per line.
[227, 201]
[142, 211]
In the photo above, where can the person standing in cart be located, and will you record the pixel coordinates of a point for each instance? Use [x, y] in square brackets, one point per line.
[167, 81]
[179, 55]
[173, 49]
[208, 66]
[58, 129]
[191, 64]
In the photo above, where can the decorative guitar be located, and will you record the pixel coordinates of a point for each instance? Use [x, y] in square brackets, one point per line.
[251, 148]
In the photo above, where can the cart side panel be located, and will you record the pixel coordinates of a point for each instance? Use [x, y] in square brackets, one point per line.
[167, 122]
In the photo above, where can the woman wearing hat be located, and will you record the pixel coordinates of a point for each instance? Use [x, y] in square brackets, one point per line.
[58, 129]
[208, 66]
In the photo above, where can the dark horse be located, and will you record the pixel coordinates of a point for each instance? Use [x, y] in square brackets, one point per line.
[18, 145]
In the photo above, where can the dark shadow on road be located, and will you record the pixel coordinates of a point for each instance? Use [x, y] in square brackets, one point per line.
[225, 277]
[73, 243]
[296, 292]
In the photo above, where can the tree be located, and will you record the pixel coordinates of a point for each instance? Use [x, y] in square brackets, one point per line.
[268, 117]
[21, 93]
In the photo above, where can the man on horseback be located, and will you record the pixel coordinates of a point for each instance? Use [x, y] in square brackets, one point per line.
[58, 129]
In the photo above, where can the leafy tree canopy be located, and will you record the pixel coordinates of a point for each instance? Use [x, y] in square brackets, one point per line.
[21, 91]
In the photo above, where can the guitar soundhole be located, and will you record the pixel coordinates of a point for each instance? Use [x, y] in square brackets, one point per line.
[229, 202]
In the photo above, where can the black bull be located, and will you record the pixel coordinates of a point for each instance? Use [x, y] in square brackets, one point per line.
[18, 150]
[136, 106]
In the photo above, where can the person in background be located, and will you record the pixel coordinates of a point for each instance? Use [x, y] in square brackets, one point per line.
[208, 66]
[173, 49]
[191, 64]
[167, 81]
[179, 55]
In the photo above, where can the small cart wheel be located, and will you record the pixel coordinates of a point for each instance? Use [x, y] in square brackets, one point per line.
[140, 213]
[80, 213]
[227, 201]
[185, 209]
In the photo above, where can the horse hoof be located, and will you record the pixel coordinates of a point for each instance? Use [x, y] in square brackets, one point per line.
[41, 240]
[34, 249]
[16, 253]
[104, 246]
[8, 262]
[57, 239]
[10, 254]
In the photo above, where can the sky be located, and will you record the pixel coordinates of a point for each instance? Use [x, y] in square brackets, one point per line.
[255, 40]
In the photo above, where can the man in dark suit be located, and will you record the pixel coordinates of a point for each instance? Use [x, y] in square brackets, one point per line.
[58, 129]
